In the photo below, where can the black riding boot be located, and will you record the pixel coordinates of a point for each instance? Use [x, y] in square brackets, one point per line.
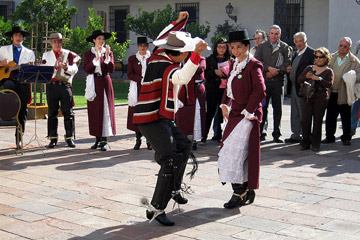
[103, 144]
[138, 141]
[239, 196]
[97, 141]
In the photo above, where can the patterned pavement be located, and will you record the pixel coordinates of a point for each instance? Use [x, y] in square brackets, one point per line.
[80, 193]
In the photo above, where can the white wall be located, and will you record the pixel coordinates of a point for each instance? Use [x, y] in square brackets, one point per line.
[316, 25]
[80, 19]
[344, 21]
[251, 14]
[325, 21]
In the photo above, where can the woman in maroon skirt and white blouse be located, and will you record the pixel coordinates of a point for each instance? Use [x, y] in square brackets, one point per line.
[99, 63]
[239, 157]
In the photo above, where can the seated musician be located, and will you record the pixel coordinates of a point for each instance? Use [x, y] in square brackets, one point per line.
[19, 54]
[59, 89]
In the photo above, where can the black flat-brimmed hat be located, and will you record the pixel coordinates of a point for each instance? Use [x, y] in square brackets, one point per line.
[238, 36]
[17, 29]
[141, 40]
[97, 33]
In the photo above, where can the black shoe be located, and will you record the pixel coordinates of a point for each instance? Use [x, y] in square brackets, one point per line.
[236, 200]
[137, 145]
[162, 218]
[262, 137]
[52, 143]
[203, 140]
[96, 144]
[250, 196]
[216, 138]
[303, 148]
[70, 143]
[149, 214]
[278, 140]
[103, 145]
[194, 146]
[179, 199]
[347, 142]
[291, 140]
[327, 140]
[149, 147]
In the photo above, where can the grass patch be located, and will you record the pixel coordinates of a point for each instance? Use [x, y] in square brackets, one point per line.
[121, 90]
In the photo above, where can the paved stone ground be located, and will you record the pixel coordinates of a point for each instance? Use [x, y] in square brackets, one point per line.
[81, 193]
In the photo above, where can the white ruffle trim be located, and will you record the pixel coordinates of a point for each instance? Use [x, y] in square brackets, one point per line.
[232, 162]
[197, 123]
[107, 129]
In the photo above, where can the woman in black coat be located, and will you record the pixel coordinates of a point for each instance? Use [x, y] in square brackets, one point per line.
[214, 93]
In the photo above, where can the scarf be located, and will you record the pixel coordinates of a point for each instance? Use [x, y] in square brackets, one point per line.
[237, 68]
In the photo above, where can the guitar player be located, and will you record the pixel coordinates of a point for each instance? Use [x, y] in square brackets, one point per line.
[19, 54]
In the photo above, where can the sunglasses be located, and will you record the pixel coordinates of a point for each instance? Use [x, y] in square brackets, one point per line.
[317, 57]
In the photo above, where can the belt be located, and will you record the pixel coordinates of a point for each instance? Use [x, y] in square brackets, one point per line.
[100, 75]
[60, 83]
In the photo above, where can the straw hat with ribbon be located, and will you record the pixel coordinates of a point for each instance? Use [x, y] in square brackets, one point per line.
[55, 36]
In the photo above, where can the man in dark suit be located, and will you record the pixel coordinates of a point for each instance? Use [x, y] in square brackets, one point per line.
[303, 57]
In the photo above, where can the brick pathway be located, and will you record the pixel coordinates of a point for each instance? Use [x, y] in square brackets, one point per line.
[81, 193]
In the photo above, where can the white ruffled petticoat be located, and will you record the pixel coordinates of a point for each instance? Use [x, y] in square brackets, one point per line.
[233, 162]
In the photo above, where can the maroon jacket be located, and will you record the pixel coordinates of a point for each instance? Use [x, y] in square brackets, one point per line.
[96, 107]
[248, 89]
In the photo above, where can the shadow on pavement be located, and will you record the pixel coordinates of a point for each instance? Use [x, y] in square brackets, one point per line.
[153, 230]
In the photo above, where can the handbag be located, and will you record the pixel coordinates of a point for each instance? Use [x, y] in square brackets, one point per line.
[307, 90]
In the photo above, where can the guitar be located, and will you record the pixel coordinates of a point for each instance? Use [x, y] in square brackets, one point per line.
[6, 71]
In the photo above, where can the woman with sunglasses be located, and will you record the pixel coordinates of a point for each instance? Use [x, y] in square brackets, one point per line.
[313, 109]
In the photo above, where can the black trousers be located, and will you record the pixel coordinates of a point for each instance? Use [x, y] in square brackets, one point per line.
[312, 112]
[275, 92]
[172, 150]
[213, 102]
[23, 90]
[60, 94]
[333, 111]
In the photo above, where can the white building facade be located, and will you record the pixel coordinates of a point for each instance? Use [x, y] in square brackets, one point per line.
[324, 21]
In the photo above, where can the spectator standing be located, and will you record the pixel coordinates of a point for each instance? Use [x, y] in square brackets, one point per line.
[342, 62]
[276, 57]
[303, 57]
[259, 37]
[313, 109]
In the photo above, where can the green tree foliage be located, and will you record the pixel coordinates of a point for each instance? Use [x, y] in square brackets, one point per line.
[77, 36]
[55, 12]
[222, 30]
[4, 27]
[150, 24]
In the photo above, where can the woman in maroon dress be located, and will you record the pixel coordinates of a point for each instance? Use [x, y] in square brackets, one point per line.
[239, 157]
[136, 71]
[98, 63]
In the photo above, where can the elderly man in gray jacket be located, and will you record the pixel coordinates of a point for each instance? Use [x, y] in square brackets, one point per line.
[276, 57]
[342, 62]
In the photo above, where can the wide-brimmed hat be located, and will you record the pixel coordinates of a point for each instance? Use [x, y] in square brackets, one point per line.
[238, 36]
[17, 29]
[141, 40]
[178, 41]
[97, 33]
[55, 36]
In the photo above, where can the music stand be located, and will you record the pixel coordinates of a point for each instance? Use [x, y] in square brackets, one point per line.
[35, 74]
